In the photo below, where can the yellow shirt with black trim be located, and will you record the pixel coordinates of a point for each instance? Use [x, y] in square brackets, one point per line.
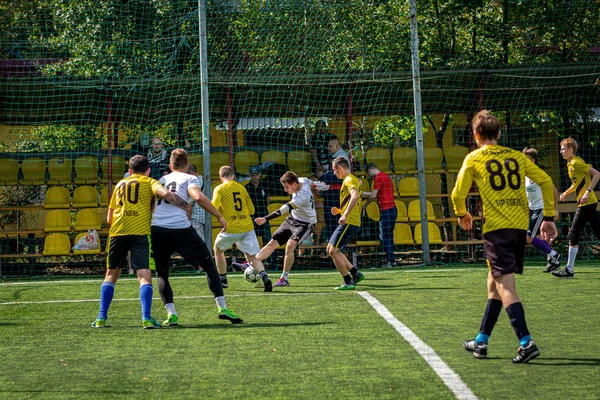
[350, 182]
[499, 173]
[234, 204]
[579, 173]
[132, 201]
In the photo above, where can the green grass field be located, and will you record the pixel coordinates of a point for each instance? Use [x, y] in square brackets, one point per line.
[303, 341]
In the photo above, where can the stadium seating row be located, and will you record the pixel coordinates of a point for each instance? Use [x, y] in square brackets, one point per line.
[60, 220]
[403, 235]
[83, 197]
[58, 244]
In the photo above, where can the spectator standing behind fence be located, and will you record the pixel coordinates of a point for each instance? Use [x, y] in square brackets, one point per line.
[383, 191]
[158, 158]
[261, 198]
[129, 216]
[319, 147]
[335, 151]
[198, 215]
[584, 179]
[499, 173]
[536, 215]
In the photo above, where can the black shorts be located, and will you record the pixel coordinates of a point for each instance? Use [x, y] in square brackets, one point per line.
[118, 246]
[342, 235]
[504, 251]
[293, 229]
[185, 241]
[536, 217]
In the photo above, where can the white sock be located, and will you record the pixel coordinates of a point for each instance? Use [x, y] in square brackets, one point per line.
[552, 253]
[285, 275]
[571, 261]
[220, 301]
[170, 307]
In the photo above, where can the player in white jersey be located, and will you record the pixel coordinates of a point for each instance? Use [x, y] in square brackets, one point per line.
[296, 227]
[536, 215]
[173, 232]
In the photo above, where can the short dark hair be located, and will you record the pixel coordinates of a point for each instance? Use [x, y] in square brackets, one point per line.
[192, 169]
[179, 158]
[289, 177]
[139, 164]
[340, 162]
[531, 152]
[372, 166]
[226, 172]
[486, 125]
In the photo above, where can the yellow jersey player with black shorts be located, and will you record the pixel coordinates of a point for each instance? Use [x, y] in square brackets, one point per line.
[499, 173]
[348, 224]
[583, 181]
[129, 216]
[231, 199]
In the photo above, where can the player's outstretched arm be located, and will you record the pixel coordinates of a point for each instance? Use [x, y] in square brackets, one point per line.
[205, 203]
[171, 197]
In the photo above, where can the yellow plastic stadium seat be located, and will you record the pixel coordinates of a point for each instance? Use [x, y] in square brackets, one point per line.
[57, 197]
[118, 167]
[404, 159]
[57, 244]
[60, 170]
[414, 211]
[373, 212]
[34, 171]
[197, 160]
[217, 160]
[243, 160]
[455, 156]
[104, 196]
[275, 156]
[88, 218]
[402, 213]
[433, 157]
[9, 172]
[86, 170]
[435, 236]
[85, 196]
[380, 157]
[403, 234]
[274, 207]
[94, 251]
[365, 186]
[408, 187]
[299, 161]
[57, 221]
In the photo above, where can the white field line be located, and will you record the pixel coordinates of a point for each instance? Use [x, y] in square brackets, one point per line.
[299, 274]
[12, 303]
[449, 377]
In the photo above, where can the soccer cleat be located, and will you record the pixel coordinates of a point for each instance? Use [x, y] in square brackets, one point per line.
[346, 286]
[172, 320]
[225, 313]
[281, 282]
[563, 273]
[268, 285]
[479, 350]
[150, 323]
[239, 267]
[553, 263]
[358, 277]
[527, 353]
[99, 323]
[224, 282]
[390, 264]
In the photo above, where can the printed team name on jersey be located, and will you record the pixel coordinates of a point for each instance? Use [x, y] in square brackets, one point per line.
[238, 217]
[493, 152]
[508, 202]
[131, 213]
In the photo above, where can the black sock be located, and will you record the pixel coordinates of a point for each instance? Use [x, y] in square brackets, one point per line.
[347, 279]
[353, 271]
[264, 276]
[223, 276]
[516, 315]
[490, 317]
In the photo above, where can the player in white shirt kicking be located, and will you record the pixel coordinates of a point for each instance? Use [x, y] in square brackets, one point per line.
[296, 227]
[173, 232]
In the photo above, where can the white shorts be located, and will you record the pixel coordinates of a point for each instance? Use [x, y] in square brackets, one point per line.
[246, 242]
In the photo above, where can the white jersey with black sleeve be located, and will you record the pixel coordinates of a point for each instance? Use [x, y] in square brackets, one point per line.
[166, 215]
[303, 203]
[534, 195]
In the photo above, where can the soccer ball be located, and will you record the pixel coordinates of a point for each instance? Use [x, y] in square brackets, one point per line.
[251, 275]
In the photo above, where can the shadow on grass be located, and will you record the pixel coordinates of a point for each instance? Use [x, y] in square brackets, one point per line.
[248, 325]
[566, 361]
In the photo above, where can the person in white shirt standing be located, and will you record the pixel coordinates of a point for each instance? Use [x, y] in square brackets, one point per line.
[297, 226]
[536, 215]
[173, 232]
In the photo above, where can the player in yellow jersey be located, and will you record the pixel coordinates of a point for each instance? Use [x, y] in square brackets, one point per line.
[234, 204]
[499, 173]
[129, 216]
[348, 224]
[583, 181]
